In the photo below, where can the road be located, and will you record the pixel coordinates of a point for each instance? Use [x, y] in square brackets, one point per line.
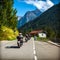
[46, 51]
[32, 50]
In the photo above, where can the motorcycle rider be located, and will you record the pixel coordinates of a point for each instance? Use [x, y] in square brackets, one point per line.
[26, 37]
[20, 39]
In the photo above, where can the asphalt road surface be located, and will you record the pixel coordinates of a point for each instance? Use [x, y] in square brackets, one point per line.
[46, 51]
[32, 50]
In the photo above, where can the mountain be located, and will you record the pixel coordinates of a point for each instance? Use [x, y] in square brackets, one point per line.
[30, 15]
[50, 19]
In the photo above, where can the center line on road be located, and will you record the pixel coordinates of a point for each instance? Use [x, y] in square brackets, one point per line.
[35, 57]
[34, 51]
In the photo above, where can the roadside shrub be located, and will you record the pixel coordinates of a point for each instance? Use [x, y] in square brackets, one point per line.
[7, 33]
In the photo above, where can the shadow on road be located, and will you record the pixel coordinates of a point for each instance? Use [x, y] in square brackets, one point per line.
[11, 47]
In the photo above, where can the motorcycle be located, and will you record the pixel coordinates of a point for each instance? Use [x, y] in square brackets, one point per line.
[20, 43]
[26, 39]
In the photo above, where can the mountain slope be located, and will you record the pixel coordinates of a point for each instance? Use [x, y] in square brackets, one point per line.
[30, 15]
[19, 17]
[50, 18]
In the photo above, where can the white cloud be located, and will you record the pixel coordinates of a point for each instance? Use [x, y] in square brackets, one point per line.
[41, 5]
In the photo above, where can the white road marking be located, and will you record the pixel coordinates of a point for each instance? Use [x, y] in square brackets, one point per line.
[34, 51]
[35, 57]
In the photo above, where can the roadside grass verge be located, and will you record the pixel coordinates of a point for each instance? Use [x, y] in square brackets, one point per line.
[42, 39]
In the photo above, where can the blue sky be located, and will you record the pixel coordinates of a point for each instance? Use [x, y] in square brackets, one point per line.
[22, 7]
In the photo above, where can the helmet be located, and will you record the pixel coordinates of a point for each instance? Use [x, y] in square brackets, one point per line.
[20, 33]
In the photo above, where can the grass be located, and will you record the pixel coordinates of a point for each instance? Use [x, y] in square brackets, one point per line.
[42, 39]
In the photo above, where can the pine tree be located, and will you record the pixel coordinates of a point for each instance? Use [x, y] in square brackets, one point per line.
[8, 14]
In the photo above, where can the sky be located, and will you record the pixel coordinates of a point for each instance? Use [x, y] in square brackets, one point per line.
[22, 6]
